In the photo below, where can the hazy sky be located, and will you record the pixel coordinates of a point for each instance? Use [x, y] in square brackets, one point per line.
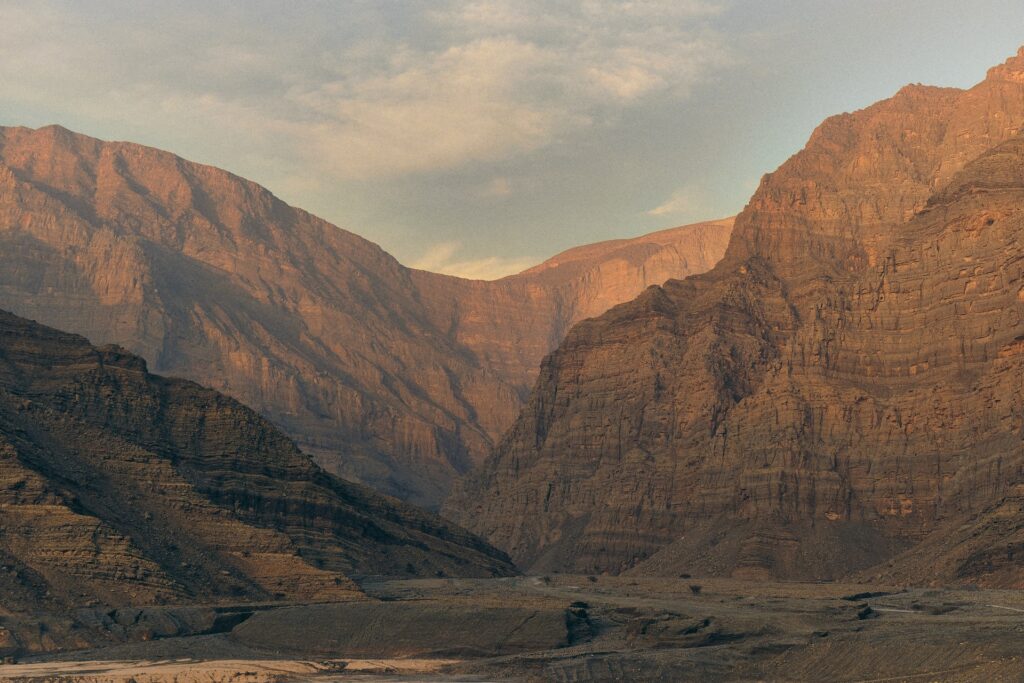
[480, 137]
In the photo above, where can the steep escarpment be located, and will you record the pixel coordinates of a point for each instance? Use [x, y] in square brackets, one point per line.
[842, 388]
[512, 323]
[121, 487]
[392, 377]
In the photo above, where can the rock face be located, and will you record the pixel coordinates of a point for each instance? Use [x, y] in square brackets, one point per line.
[512, 323]
[123, 487]
[844, 385]
[397, 378]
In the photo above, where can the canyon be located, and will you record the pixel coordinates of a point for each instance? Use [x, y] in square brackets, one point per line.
[804, 459]
[396, 378]
[241, 443]
[839, 396]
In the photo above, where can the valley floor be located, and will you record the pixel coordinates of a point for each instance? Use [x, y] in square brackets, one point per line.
[579, 628]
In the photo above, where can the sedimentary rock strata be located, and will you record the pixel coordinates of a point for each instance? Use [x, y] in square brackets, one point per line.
[844, 385]
[393, 377]
[118, 487]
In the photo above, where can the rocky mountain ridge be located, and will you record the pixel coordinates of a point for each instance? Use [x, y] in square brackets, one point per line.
[118, 487]
[397, 378]
[841, 393]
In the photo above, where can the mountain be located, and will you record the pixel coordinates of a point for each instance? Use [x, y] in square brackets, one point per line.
[123, 487]
[397, 378]
[512, 323]
[841, 393]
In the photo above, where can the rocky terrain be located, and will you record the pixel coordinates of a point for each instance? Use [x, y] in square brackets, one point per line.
[578, 628]
[840, 398]
[119, 488]
[841, 393]
[397, 378]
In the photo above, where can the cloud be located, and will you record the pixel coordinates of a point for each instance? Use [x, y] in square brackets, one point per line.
[437, 256]
[467, 103]
[441, 258]
[685, 200]
[360, 91]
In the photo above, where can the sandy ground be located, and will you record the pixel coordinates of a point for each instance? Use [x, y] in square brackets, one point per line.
[222, 671]
[578, 628]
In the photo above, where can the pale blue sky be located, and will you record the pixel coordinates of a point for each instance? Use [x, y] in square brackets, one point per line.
[479, 137]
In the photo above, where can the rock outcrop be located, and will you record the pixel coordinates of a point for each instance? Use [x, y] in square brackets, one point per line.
[393, 377]
[844, 386]
[119, 487]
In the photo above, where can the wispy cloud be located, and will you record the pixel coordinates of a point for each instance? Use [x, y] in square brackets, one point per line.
[684, 201]
[443, 258]
[373, 95]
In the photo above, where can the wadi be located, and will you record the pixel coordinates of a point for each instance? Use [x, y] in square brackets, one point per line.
[240, 443]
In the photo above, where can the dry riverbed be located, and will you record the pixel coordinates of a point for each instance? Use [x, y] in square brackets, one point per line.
[578, 628]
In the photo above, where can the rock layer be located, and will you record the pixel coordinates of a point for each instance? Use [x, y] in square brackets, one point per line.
[844, 385]
[512, 323]
[121, 487]
[397, 378]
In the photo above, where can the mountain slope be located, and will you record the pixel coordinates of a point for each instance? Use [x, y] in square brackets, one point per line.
[512, 323]
[842, 385]
[128, 488]
[393, 377]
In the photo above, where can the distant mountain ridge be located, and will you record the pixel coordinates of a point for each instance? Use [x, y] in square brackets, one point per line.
[841, 394]
[512, 323]
[394, 377]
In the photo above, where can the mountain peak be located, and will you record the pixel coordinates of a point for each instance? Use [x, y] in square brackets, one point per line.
[1011, 70]
[650, 407]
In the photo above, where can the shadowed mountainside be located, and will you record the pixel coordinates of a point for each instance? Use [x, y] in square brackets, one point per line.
[397, 378]
[844, 385]
[124, 488]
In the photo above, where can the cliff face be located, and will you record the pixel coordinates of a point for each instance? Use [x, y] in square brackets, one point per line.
[393, 377]
[512, 323]
[844, 385]
[122, 487]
